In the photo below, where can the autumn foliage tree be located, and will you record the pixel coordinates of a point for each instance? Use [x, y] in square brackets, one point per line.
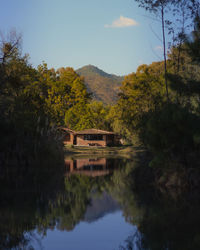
[33, 102]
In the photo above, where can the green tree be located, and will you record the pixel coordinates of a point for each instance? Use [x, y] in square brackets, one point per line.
[66, 90]
[184, 12]
[91, 115]
[159, 7]
[140, 92]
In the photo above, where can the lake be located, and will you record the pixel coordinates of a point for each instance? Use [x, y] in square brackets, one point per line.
[93, 203]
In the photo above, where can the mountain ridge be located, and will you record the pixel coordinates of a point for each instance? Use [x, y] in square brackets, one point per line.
[103, 86]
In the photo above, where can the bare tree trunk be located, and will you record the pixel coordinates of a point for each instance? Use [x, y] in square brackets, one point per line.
[164, 51]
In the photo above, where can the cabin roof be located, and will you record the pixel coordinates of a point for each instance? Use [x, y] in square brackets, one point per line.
[68, 130]
[93, 131]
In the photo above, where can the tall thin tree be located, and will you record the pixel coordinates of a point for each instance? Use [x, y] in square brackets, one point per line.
[159, 8]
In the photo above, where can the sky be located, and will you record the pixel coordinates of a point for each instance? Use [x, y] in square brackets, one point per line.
[114, 35]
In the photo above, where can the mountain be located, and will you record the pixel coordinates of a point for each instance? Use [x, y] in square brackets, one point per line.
[103, 86]
[99, 207]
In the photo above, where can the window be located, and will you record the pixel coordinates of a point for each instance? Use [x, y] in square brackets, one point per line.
[93, 137]
[67, 137]
[93, 167]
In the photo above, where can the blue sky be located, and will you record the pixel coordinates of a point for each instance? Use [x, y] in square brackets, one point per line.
[113, 35]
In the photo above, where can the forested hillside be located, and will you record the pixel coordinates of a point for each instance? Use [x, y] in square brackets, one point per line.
[103, 86]
[158, 106]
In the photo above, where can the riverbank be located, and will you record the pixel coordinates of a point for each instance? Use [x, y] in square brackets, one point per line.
[103, 151]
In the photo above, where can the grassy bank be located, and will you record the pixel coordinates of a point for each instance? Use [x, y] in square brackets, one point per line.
[122, 150]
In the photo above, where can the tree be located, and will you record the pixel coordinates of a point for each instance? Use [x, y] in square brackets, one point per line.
[185, 13]
[23, 115]
[91, 115]
[193, 42]
[140, 92]
[66, 89]
[9, 45]
[159, 7]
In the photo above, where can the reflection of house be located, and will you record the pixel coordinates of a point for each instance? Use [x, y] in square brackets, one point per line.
[89, 167]
[90, 137]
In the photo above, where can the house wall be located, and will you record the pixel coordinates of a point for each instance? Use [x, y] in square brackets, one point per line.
[68, 139]
[82, 142]
[108, 140]
[85, 162]
[69, 165]
[80, 163]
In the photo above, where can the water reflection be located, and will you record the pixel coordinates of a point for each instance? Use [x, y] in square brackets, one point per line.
[100, 206]
[40, 198]
[95, 196]
[169, 220]
[90, 166]
[173, 226]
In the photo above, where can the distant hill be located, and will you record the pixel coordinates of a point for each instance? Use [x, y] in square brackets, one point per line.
[102, 85]
[99, 207]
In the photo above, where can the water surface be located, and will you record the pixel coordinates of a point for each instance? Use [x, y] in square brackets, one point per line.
[92, 203]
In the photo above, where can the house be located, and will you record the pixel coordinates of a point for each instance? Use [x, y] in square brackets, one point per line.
[92, 167]
[90, 137]
[89, 167]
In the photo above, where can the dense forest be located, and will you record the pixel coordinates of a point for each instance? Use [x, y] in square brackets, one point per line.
[157, 107]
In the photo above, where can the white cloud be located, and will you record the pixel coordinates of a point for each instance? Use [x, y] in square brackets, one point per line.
[122, 22]
[140, 61]
[158, 48]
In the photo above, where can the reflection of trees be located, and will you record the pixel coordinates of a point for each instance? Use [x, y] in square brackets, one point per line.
[121, 188]
[27, 192]
[165, 219]
[40, 198]
[77, 193]
[171, 224]
[167, 224]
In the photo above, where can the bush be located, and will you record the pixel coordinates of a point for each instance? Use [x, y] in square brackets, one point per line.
[172, 131]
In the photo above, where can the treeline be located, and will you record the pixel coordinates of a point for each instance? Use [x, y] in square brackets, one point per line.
[33, 102]
[158, 106]
[160, 103]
